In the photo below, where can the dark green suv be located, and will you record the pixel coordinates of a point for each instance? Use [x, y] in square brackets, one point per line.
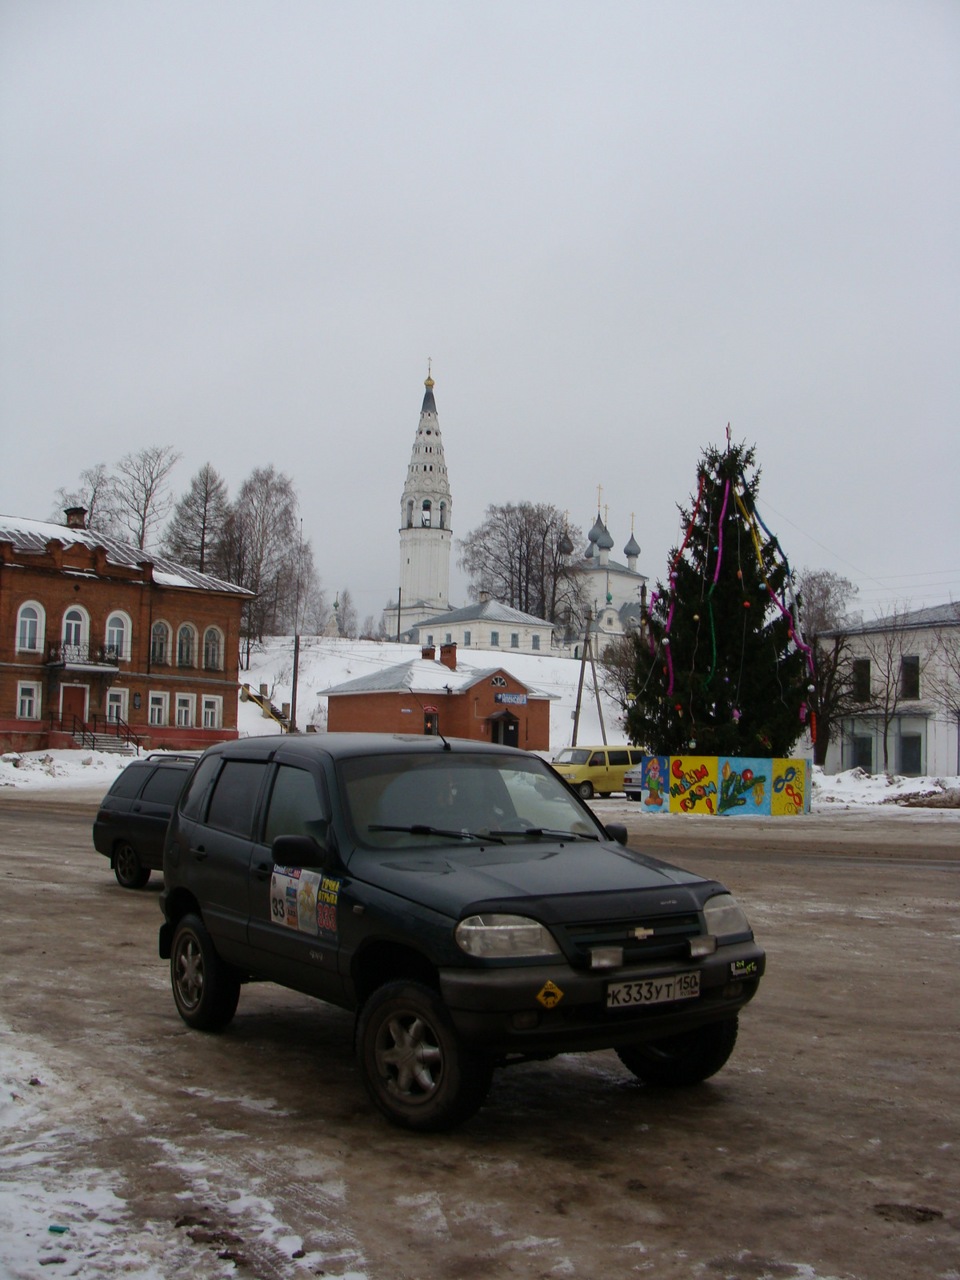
[461, 899]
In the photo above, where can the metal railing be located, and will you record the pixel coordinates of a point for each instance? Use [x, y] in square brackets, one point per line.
[104, 655]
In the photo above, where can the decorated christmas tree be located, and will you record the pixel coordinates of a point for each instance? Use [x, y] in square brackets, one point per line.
[721, 666]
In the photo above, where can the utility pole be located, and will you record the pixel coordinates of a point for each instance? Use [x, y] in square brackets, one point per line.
[588, 652]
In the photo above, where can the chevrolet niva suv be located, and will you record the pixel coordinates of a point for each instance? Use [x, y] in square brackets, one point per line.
[461, 899]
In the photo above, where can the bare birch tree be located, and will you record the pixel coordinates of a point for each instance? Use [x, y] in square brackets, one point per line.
[141, 490]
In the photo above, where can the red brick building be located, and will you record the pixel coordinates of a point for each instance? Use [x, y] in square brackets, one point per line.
[427, 696]
[98, 637]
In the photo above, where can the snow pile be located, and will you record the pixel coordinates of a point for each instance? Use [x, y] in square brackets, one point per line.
[53, 770]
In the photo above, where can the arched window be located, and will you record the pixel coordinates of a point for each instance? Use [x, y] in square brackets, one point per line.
[73, 621]
[160, 644]
[30, 627]
[212, 649]
[425, 513]
[186, 646]
[118, 635]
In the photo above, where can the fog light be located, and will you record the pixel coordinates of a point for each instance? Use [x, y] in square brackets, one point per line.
[704, 945]
[606, 957]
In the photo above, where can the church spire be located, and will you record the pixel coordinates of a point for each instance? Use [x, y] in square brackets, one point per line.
[429, 404]
[426, 520]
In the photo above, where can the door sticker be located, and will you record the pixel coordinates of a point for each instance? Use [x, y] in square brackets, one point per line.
[304, 900]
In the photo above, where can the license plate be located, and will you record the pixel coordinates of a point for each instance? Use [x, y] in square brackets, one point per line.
[664, 990]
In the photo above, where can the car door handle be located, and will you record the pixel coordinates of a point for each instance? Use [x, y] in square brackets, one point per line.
[199, 853]
[263, 870]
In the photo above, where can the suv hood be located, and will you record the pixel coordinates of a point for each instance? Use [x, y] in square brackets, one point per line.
[521, 875]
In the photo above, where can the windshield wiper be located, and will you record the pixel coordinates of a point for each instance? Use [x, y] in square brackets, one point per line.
[537, 833]
[421, 829]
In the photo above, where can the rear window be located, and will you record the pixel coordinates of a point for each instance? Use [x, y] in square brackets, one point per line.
[130, 781]
[165, 786]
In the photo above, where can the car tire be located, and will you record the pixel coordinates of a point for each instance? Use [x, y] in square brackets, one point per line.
[127, 867]
[684, 1059]
[414, 1066]
[585, 790]
[205, 990]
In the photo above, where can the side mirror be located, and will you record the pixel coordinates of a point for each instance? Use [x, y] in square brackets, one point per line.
[300, 851]
[616, 831]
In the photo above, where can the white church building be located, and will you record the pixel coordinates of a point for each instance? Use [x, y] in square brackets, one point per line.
[614, 592]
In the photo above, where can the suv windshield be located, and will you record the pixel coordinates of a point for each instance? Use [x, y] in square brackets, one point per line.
[395, 801]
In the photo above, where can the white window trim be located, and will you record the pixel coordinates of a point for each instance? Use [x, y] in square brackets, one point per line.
[194, 644]
[220, 648]
[127, 646]
[168, 630]
[84, 641]
[186, 700]
[214, 703]
[162, 701]
[121, 697]
[41, 626]
[33, 688]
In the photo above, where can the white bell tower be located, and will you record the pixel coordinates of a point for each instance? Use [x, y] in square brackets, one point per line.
[426, 517]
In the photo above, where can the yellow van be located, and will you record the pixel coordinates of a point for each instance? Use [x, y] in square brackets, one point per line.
[596, 770]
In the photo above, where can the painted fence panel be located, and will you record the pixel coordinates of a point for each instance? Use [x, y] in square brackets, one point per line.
[725, 786]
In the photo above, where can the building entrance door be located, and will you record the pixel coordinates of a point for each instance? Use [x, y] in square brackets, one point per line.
[505, 730]
[73, 702]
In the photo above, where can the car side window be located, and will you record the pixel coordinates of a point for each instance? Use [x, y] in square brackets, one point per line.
[618, 757]
[164, 786]
[199, 787]
[598, 759]
[129, 782]
[296, 806]
[234, 798]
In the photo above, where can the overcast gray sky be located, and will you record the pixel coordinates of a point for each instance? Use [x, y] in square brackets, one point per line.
[241, 228]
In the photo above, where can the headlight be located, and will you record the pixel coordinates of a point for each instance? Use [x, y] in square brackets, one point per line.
[724, 917]
[500, 937]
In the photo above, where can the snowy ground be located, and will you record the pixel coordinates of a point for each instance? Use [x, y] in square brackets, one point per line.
[82, 1201]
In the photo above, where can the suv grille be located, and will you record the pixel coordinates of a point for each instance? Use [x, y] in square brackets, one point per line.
[667, 938]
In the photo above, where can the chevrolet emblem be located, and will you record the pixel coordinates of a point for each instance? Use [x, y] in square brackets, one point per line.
[640, 933]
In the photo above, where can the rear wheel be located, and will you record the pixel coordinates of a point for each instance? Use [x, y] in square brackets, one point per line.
[414, 1066]
[205, 990]
[684, 1059]
[127, 867]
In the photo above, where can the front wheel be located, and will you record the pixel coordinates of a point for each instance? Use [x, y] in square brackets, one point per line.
[205, 990]
[412, 1061]
[585, 790]
[127, 867]
[684, 1059]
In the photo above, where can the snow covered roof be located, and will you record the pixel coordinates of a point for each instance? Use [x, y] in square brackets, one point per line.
[937, 615]
[422, 675]
[30, 537]
[485, 611]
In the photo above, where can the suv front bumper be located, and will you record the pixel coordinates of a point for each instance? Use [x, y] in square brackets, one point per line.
[553, 1008]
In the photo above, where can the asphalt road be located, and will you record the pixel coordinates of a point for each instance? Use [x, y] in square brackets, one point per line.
[828, 1146]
